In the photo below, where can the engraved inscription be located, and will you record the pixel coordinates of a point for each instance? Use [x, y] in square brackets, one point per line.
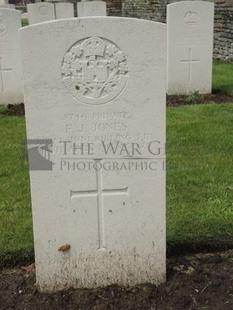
[94, 70]
[191, 17]
[1, 75]
[43, 10]
[190, 61]
[99, 192]
[3, 27]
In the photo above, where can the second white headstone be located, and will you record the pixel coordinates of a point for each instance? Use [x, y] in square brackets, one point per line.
[190, 47]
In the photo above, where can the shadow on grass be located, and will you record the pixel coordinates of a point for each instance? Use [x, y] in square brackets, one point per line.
[13, 110]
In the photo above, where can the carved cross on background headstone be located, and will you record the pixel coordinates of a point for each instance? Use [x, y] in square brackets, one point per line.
[190, 61]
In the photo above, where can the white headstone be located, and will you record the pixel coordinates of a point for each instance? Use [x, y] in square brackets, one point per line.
[64, 10]
[6, 5]
[40, 12]
[45, 11]
[56, 1]
[99, 213]
[10, 61]
[91, 8]
[190, 47]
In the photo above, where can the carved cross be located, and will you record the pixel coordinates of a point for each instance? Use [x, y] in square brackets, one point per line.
[190, 61]
[99, 193]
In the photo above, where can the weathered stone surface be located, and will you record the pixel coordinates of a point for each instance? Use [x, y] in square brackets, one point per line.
[99, 214]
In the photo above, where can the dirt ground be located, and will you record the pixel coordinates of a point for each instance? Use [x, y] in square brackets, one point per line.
[172, 101]
[198, 281]
[215, 97]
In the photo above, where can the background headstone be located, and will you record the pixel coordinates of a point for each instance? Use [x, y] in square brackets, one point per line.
[45, 11]
[190, 47]
[91, 8]
[64, 10]
[10, 61]
[87, 81]
[6, 5]
[40, 12]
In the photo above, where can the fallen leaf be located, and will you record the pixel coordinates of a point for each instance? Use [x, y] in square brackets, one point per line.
[29, 268]
[64, 248]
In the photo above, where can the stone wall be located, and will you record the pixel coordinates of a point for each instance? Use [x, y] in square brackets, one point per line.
[146, 9]
[114, 7]
[223, 30]
[156, 10]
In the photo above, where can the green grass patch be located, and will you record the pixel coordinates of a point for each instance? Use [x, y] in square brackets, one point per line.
[199, 174]
[16, 242]
[24, 22]
[223, 77]
[199, 181]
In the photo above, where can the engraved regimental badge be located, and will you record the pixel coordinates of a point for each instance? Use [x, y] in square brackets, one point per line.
[43, 10]
[94, 70]
[191, 17]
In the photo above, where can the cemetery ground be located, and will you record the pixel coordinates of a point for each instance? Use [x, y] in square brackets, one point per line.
[199, 215]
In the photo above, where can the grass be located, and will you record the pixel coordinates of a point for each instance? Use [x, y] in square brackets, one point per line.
[199, 174]
[199, 177]
[24, 22]
[15, 203]
[223, 77]
[199, 180]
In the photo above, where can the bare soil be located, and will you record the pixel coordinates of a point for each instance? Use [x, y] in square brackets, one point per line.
[199, 281]
[15, 109]
[215, 97]
[172, 101]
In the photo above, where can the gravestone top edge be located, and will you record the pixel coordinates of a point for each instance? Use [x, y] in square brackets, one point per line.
[181, 3]
[80, 19]
[9, 9]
